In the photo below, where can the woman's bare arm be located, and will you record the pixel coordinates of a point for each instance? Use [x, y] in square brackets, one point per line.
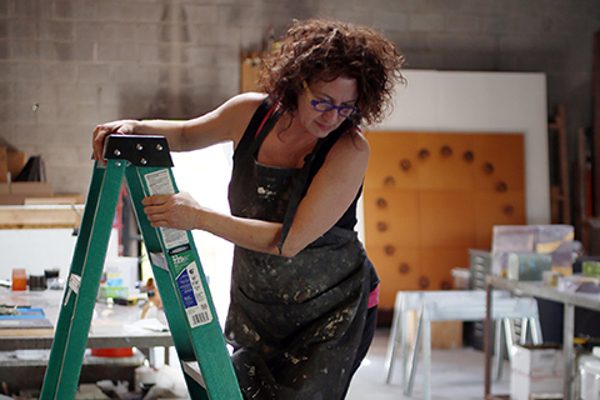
[330, 194]
[227, 122]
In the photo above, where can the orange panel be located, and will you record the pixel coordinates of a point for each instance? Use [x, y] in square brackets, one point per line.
[391, 215]
[499, 158]
[446, 218]
[493, 208]
[392, 163]
[437, 262]
[398, 269]
[444, 166]
[427, 210]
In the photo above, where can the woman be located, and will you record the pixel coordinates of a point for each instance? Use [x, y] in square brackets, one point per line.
[303, 293]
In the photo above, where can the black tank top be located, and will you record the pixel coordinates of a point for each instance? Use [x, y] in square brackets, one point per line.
[348, 219]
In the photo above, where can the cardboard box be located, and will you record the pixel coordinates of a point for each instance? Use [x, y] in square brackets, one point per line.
[16, 160]
[444, 334]
[536, 369]
[524, 387]
[16, 193]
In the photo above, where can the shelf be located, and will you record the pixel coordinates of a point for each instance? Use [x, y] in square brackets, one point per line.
[40, 216]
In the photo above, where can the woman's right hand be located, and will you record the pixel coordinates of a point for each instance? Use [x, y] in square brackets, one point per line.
[121, 127]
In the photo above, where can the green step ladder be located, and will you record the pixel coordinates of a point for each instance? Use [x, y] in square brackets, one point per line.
[145, 162]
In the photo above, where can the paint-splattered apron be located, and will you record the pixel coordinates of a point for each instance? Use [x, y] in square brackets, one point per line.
[295, 322]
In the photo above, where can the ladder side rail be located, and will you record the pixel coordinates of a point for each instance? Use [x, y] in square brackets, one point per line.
[206, 334]
[177, 325]
[90, 277]
[56, 359]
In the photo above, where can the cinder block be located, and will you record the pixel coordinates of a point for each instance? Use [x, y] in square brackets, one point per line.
[93, 73]
[63, 9]
[87, 31]
[200, 14]
[109, 10]
[22, 29]
[147, 32]
[63, 72]
[153, 53]
[24, 50]
[121, 52]
[4, 52]
[463, 23]
[146, 12]
[48, 93]
[3, 8]
[57, 51]
[57, 30]
[85, 94]
[47, 113]
[384, 19]
[24, 71]
[426, 22]
[3, 29]
[219, 35]
[6, 94]
[32, 8]
[133, 73]
[26, 92]
[83, 9]
[238, 15]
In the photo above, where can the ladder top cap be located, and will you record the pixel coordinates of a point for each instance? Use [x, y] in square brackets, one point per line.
[139, 150]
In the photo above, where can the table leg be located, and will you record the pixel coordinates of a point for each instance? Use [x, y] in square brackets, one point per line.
[393, 342]
[414, 355]
[568, 353]
[487, 333]
[427, 357]
[498, 350]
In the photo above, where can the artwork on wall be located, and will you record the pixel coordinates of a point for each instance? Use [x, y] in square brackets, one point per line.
[429, 197]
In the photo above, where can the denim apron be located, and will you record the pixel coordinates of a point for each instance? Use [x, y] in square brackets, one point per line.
[295, 322]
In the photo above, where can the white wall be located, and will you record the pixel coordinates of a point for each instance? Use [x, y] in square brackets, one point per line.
[40, 249]
[482, 102]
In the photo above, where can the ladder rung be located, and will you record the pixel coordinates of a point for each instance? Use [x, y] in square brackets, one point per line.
[193, 370]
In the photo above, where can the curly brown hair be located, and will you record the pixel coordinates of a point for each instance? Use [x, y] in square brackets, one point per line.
[321, 49]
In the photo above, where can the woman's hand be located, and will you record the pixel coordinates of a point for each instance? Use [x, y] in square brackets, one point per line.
[122, 127]
[178, 211]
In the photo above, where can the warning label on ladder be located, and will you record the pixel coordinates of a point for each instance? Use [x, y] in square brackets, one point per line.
[159, 182]
[193, 296]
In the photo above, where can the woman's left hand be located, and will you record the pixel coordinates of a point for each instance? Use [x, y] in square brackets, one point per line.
[177, 211]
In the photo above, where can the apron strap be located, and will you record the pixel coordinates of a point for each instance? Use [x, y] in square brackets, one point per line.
[265, 127]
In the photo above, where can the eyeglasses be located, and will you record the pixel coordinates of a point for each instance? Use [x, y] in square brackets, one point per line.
[343, 110]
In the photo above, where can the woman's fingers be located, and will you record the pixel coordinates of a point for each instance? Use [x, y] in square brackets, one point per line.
[157, 220]
[103, 130]
[156, 200]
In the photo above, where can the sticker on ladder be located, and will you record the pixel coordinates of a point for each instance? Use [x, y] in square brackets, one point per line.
[73, 287]
[159, 260]
[193, 296]
[159, 182]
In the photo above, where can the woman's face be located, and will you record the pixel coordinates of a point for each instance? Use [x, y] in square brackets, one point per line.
[341, 92]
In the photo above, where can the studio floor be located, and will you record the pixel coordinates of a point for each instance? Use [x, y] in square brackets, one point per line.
[455, 374]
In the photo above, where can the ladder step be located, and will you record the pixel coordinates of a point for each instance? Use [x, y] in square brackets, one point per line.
[192, 369]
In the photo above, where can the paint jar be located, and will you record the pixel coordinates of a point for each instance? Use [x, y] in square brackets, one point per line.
[589, 375]
[528, 266]
[19, 279]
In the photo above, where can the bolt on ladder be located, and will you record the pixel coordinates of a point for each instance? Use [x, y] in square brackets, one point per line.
[145, 163]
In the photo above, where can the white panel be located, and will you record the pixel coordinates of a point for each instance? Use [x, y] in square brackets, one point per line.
[40, 249]
[482, 102]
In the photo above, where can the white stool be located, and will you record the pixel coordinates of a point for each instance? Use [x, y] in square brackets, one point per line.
[466, 305]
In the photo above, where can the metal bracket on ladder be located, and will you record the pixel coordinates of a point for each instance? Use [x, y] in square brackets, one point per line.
[144, 161]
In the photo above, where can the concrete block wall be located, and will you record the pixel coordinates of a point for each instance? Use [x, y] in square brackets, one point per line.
[67, 65]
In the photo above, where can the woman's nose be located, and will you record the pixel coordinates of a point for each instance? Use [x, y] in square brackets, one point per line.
[330, 115]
